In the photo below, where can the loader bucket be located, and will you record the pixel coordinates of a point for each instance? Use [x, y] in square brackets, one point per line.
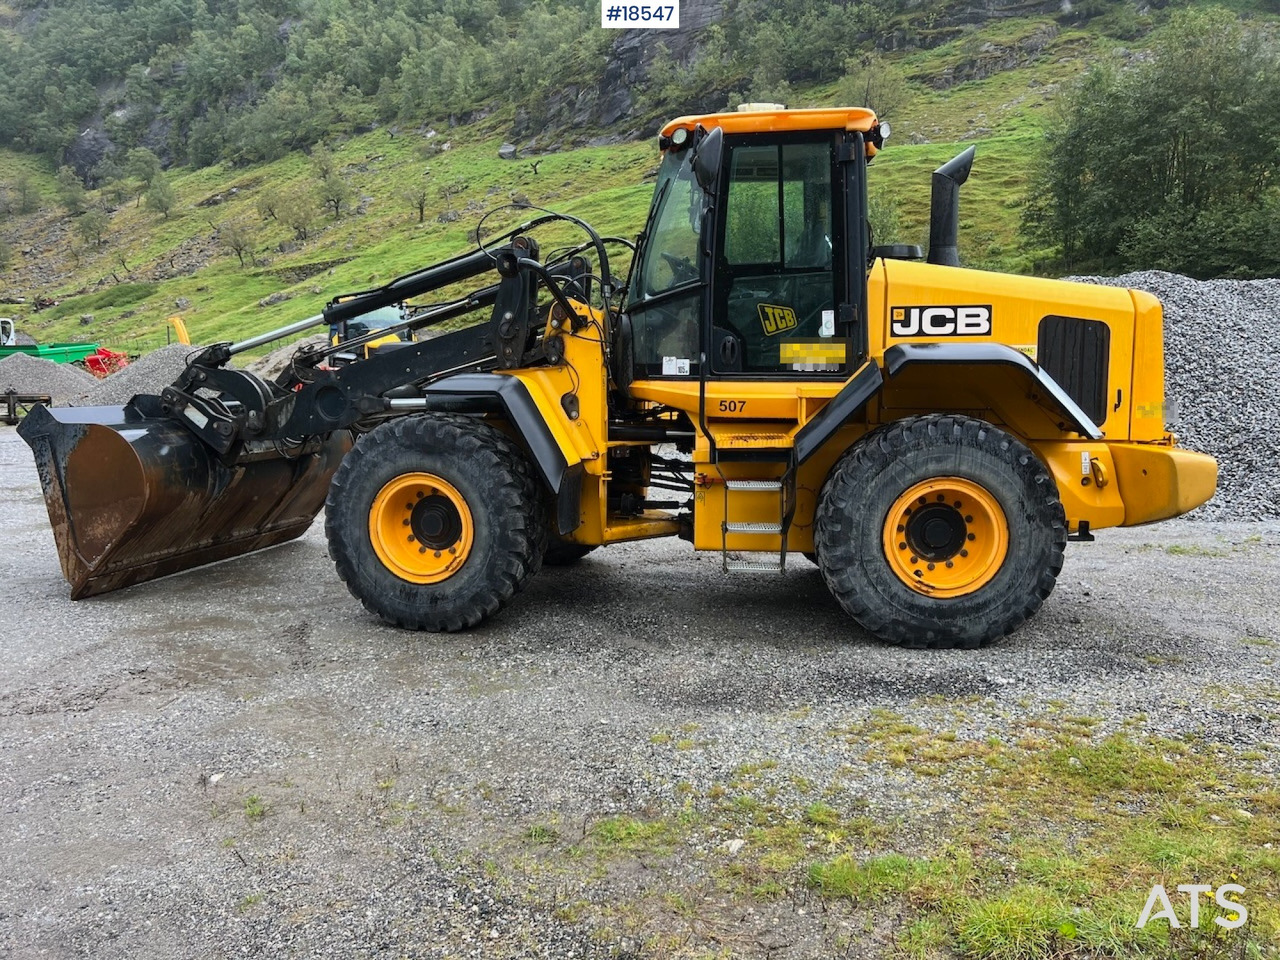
[133, 498]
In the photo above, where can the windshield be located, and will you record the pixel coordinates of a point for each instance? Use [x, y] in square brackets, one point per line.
[669, 257]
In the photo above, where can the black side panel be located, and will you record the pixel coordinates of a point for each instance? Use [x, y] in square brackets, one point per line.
[1076, 353]
[851, 398]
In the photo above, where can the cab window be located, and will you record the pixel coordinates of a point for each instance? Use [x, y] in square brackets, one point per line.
[776, 287]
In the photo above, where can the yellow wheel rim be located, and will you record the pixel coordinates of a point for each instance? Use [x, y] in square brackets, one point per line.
[421, 528]
[946, 537]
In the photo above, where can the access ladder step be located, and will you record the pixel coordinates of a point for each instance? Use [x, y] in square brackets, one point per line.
[753, 566]
[753, 528]
[760, 485]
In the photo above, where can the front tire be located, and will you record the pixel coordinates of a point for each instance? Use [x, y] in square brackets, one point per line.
[940, 531]
[435, 522]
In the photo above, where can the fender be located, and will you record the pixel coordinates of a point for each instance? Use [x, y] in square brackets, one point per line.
[508, 397]
[900, 356]
[852, 397]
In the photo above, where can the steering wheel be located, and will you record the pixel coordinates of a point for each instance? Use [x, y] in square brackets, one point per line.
[682, 271]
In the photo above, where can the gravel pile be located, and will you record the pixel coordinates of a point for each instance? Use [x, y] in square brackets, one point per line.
[147, 374]
[271, 365]
[1222, 372]
[63, 382]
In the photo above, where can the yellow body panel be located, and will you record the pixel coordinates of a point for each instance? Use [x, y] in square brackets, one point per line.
[1159, 482]
[1133, 475]
[1018, 304]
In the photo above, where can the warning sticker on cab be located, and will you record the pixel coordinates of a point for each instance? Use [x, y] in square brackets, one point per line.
[777, 319]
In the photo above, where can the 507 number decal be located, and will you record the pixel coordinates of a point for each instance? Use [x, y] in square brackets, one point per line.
[733, 406]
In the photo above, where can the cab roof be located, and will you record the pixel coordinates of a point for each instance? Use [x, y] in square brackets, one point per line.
[778, 121]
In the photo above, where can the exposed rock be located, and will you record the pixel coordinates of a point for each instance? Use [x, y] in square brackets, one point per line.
[272, 299]
[507, 151]
[991, 58]
[87, 150]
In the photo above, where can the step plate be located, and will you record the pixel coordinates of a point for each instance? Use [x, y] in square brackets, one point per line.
[758, 528]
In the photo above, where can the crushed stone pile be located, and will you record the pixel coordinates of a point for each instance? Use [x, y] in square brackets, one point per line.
[63, 382]
[150, 373]
[271, 365]
[1222, 371]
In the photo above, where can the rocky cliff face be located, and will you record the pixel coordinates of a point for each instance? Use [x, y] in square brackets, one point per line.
[610, 106]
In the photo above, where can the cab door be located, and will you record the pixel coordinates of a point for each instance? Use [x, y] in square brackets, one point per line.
[780, 270]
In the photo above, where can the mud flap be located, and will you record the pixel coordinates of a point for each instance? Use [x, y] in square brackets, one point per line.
[132, 498]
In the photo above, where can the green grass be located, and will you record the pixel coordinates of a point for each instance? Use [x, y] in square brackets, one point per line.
[625, 834]
[255, 808]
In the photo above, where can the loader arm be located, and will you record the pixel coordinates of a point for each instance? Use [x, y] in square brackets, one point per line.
[222, 462]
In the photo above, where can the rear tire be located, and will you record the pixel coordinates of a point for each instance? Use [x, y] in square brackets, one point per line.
[940, 531]
[435, 522]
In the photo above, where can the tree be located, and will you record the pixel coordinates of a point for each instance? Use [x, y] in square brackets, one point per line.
[417, 197]
[142, 165]
[238, 237]
[28, 197]
[6, 254]
[296, 210]
[1169, 163]
[71, 192]
[450, 190]
[323, 164]
[267, 203]
[333, 192]
[91, 227]
[872, 82]
[161, 197]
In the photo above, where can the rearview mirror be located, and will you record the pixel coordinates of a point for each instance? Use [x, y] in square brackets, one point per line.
[706, 159]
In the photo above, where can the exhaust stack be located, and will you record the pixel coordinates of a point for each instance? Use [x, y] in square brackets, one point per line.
[944, 211]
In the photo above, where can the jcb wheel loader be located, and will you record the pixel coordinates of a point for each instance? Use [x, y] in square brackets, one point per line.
[765, 383]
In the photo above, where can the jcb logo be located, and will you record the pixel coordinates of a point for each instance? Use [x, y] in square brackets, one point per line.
[777, 319]
[940, 321]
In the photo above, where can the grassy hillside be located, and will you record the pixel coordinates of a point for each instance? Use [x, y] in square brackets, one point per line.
[149, 267]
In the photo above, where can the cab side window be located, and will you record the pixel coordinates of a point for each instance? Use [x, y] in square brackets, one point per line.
[775, 279]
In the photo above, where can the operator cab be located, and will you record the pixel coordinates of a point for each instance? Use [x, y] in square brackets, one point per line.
[754, 254]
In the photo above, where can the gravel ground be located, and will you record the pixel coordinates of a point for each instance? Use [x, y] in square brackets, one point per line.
[1222, 371]
[239, 761]
[63, 382]
[148, 374]
[271, 365]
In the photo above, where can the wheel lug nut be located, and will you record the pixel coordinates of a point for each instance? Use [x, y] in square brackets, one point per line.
[968, 518]
[437, 554]
[902, 546]
[970, 536]
[411, 538]
[915, 559]
[950, 564]
[421, 494]
[931, 566]
[964, 553]
[942, 497]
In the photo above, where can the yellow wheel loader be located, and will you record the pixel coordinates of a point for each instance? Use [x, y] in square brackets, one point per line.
[765, 383]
